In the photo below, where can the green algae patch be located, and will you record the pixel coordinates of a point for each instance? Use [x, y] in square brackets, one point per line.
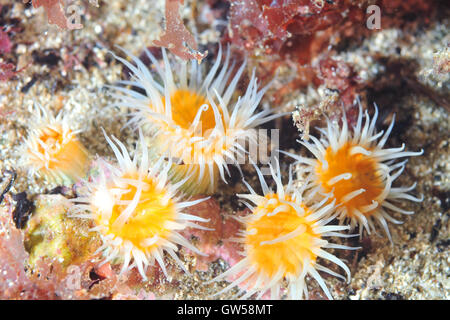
[52, 234]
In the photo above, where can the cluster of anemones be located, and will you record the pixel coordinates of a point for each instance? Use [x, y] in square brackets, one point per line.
[350, 180]
[197, 127]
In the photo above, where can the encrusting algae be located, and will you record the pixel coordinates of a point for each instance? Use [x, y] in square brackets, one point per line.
[51, 234]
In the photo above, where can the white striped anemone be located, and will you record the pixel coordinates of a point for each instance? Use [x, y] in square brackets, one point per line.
[283, 237]
[52, 149]
[137, 213]
[193, 118]
[359, 172]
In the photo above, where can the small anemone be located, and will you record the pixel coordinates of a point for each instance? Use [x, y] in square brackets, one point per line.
[137, 213]
[358, 172]
[283, 238]
[194, 118]
[52, 149]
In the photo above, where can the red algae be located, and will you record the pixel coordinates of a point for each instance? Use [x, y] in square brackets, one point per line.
[339, 76]
[5, 42]
[176, 37]
[55, 13]
[273, 27]
[13, 279]
[7, 71]
[296, 33]
[214, 243]
[287, 26]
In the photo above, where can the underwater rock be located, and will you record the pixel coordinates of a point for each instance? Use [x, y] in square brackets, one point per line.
[50, 233]
[213, 243]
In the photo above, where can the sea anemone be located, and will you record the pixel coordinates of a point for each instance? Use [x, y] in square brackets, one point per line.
[358, 172]
[52, 149]
[136, 211]
[194, 118]
[282, 240]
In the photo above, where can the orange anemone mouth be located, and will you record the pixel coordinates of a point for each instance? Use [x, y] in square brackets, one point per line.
[365, 180]
[185, 106]
[52, 139]
[193, 148]
[283, 240]
[188, 108]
